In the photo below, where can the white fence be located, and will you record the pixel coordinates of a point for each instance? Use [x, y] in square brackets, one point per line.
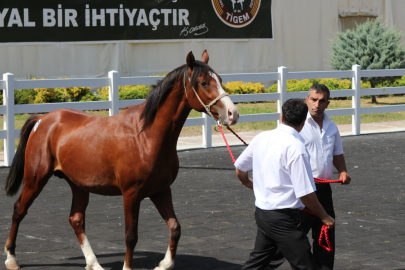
[114, 104]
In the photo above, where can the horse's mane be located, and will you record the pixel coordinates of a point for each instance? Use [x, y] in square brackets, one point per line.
[158, 92]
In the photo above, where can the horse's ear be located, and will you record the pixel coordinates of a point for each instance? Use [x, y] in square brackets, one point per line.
[205, 58]
[190, 60]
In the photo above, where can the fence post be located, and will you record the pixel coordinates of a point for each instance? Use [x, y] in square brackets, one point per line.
[206, 131]
[8, 120]
[356, 86]
[281, 89]
[113, 94]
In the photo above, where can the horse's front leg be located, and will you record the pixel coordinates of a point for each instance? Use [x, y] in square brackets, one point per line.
[131, 210]
[164, 204]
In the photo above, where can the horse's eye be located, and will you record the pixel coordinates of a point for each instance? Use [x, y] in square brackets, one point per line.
[204, 84]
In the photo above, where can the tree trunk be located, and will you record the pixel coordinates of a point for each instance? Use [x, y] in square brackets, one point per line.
[373, 97]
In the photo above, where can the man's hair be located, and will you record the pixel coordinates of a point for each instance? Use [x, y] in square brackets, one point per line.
[294, 112]
[319, 88]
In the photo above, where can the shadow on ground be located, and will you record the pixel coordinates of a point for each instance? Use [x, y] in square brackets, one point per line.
[143, 260]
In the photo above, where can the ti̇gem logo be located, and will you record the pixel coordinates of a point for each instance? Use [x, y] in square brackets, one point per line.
[236, 13]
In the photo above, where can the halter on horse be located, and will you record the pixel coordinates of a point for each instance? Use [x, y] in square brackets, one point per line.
[132, 154]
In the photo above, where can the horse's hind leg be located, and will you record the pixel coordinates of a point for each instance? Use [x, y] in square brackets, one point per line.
[164, 204]
[80, 200]
[32, 187]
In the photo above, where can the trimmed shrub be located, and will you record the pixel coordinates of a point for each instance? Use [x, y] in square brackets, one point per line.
[234, 88]
[294, 86]
[331, 83]
[133, 91]
[23, 96]
[103, 93]
[47, 95]
[50, 95]
[90, 97]
[400, 81]
[74, 93]
[127, 92]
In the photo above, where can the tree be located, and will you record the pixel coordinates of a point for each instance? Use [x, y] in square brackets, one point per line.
[372, 46]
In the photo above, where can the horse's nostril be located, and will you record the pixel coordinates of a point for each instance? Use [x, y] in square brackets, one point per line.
[230, 113]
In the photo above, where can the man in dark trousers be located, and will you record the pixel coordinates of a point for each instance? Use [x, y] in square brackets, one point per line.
[323, 142]
[283, 185]
[324, 145]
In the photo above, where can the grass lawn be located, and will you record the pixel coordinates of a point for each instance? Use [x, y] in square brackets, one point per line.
[271, 107]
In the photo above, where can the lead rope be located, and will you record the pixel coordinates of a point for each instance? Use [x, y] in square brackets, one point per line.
[226, 142]
[324, 230]
[324, 234]
[206, 107]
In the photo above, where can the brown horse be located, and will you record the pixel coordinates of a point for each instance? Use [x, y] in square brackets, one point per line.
[132, 154]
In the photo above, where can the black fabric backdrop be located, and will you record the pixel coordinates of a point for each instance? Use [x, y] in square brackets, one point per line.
[48, 20]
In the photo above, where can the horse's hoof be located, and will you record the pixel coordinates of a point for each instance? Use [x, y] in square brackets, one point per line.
[160, 267]
[12, 265]
[95, 267]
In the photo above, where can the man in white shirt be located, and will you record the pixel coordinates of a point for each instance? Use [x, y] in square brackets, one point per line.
[323, 142]
[283, 184]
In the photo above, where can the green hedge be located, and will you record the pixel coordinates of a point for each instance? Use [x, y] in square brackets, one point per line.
[126, 92]
[335, 84]
[50, 95]
[235, 88]
[304, 85]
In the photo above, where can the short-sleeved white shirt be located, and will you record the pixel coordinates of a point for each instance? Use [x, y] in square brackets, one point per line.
[322, 145]
[281, 168]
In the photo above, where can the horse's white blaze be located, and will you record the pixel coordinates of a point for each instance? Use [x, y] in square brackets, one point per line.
[167, 263]
[91, 260]
[229, 106]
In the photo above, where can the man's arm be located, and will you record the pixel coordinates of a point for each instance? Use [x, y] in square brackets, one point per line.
[311, 202]
[244, 178]
[340, 165]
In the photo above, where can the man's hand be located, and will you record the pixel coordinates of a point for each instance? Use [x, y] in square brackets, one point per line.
[345, 177]
[311, 202]
[244, 179]
[340, 165]
[329, 221]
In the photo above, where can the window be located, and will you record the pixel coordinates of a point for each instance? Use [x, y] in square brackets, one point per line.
[349, 18]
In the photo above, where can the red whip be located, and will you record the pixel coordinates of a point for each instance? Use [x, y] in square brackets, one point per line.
[324, 230]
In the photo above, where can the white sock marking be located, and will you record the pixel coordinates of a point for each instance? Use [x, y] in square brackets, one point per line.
[91, 260]
[167, 263]
[10, 258]
[125, 267]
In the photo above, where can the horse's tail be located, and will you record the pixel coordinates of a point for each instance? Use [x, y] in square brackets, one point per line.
[16, 173]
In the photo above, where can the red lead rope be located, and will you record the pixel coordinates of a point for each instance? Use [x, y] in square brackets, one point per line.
[324, 234]
[227, 145]
[324, 230]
